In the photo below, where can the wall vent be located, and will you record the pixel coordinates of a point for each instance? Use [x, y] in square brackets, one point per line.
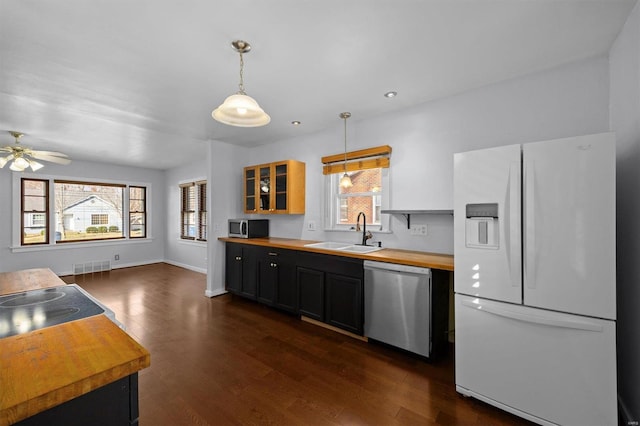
[91, 267]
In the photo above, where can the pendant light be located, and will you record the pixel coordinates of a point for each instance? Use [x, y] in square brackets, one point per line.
[240, 109]
[345, 180]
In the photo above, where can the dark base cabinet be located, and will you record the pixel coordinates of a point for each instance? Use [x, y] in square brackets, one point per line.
[115, 404]
[330, 289]
[439, 313]
[277, 278]
[240, 264]
[311, 293]
[323, 287]
[344, 299]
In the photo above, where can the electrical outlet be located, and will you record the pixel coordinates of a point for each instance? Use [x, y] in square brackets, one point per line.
[311, 225]
[116, 257]
[420, 230]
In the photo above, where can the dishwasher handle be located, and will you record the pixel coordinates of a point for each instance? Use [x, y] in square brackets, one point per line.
[394, 267]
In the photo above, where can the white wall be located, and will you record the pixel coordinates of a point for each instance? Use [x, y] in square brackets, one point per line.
[567, 101]
[184, 253]
[61, 258]
[225, 202]
[625, 121]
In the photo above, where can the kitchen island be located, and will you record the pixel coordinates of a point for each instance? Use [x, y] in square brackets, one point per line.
[67, 365]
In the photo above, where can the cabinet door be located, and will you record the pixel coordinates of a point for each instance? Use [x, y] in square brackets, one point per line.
[267, 277]
[233, 268]
[344, 302]
[249, 272]
[286, 288]
[250, 184]
[280, 187]
[310, 293]
[265, 189]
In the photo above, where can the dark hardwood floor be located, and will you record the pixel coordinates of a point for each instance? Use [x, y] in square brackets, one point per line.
[227, 360]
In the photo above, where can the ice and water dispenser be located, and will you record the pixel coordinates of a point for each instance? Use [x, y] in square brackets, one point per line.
[482, 226]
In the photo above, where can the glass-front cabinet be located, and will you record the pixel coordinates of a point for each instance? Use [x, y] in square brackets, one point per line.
[275, 188]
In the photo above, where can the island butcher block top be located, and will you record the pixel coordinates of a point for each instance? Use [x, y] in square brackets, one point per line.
[43, 368]
[404, 257]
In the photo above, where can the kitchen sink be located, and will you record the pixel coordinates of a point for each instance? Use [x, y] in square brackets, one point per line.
[345, 247]
[329, 245]
[360, 249]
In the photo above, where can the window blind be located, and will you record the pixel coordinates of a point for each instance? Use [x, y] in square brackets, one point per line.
[370, 158]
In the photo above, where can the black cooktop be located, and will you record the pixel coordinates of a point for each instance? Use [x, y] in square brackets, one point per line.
[35, 309]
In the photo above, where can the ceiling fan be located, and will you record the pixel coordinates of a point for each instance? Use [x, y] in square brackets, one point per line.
[26, 157]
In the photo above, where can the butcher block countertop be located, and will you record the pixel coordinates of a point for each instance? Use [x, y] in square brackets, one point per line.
[47, 367]
[404, 257]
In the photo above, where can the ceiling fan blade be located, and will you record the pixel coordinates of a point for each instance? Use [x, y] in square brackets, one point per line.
[38, 152]
[6, 149]
[58, 158]
[5, 160]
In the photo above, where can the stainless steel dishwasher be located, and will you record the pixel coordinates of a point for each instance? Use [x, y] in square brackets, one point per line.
[397, 305]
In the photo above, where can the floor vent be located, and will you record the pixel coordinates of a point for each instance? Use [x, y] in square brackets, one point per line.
[91, 267]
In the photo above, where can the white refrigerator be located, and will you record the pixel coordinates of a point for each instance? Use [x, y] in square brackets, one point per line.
[535, 279]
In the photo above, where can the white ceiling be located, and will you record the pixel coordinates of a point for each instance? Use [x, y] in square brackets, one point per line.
[134, 82]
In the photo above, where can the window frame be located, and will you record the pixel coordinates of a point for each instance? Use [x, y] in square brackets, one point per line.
[332, 198]
[143, 212]
[123, 188]
[199, 211]
[33, 212]
[17, 216]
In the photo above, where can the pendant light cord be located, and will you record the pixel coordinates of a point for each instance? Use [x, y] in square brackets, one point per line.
[345, 144]
[241, 85]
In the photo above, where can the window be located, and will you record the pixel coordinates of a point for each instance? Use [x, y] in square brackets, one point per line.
[137, 212]
[88, 210]
[60, 211]
[99, 219]
[193, 211]
[34, 211]
[369, 173]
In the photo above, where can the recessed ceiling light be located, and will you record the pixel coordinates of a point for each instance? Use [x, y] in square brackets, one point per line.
[295, 123]
[390, 94]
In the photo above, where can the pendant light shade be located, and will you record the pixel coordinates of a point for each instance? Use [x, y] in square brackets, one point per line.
[345, 180]
[240, 109]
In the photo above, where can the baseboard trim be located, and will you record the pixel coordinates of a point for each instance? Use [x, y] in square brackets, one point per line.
[332, 328]
[185, 266]
[214, 293]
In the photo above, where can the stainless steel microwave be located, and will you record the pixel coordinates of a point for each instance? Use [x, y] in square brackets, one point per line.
[248, 228]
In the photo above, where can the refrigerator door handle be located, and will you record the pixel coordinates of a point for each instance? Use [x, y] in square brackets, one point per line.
[529, 226]
[535, 319]
[512, 225]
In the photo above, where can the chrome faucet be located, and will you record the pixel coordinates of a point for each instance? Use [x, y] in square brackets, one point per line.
[365, 234]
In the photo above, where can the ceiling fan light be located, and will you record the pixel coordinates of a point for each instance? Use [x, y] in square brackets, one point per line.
[5, 160]
[242, 111]
[35, 166]
[15, 166]
[21, 163]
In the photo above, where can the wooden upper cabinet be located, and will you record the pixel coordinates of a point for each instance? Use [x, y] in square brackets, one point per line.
[275, 188]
